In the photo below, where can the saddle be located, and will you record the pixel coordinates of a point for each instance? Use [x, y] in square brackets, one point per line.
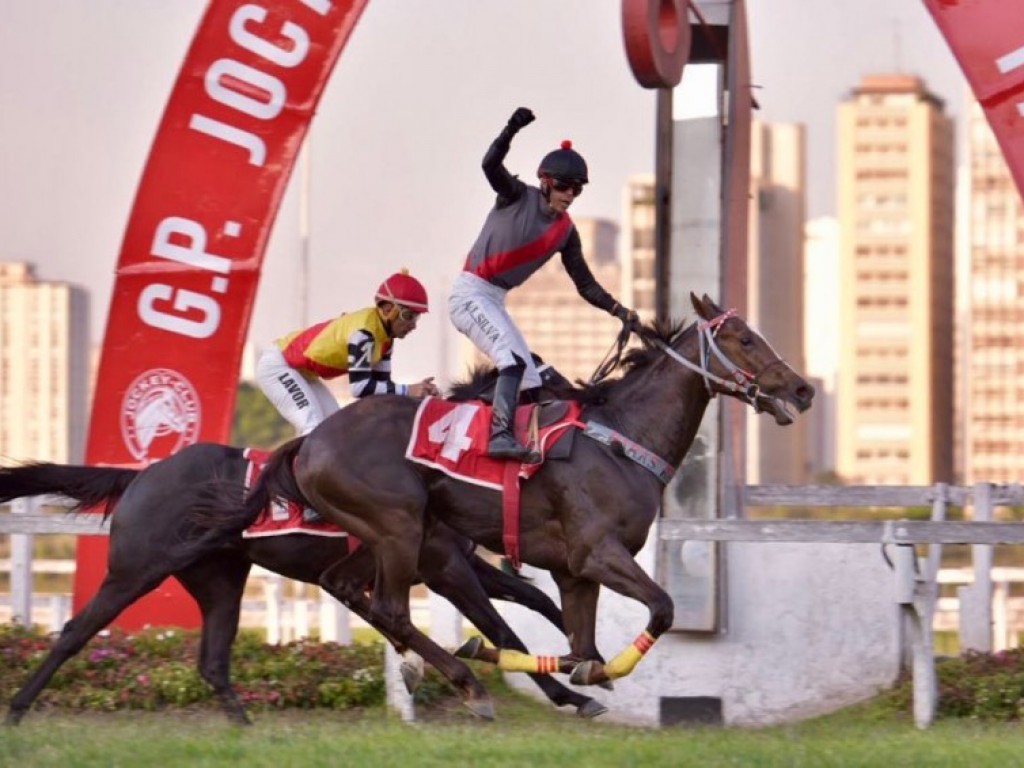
[531, 419]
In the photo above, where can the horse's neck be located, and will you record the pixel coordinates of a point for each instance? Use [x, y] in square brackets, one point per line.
[661, 408]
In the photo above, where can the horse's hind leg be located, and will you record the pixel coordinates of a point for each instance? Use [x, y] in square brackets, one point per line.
[346, 581]
[115, 594]
[217, 583]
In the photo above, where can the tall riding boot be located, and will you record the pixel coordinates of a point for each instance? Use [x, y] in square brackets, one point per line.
[503, 444]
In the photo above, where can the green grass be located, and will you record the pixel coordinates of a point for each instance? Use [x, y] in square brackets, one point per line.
[526, 733]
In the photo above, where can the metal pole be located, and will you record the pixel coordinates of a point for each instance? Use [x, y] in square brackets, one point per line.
[663, 206]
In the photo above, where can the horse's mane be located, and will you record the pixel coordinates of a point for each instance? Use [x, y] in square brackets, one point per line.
[483, 376]
[480, 378]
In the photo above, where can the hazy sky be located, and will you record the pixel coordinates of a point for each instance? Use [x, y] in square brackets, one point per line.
[415, 99]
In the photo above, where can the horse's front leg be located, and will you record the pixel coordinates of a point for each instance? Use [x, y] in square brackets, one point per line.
[579, 612]
[612, 565]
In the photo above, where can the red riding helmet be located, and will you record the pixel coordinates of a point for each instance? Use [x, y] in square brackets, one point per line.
[403, 289]
[565, 164]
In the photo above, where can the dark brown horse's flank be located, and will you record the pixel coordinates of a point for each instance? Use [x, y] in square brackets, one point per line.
[153, 535]
[583, 519]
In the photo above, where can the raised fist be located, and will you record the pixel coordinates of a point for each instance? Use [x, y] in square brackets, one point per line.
[521, 118]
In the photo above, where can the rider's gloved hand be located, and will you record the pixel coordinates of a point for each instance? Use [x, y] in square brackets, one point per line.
[521, 118]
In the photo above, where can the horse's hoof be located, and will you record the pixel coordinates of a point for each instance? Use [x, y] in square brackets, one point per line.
[607, 684]
[470, 648]
[591, 709]
[412, 676]
[14, 716]
[482, 708]
[588, 672]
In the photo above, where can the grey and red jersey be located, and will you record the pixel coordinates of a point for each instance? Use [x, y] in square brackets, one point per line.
[521, 233]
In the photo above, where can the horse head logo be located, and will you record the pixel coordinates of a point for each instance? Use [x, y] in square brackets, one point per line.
[160, 407]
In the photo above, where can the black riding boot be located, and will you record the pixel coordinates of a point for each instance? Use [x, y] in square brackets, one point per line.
[503, 444]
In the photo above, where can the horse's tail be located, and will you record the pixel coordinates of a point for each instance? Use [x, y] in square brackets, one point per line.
[87, 486]
[221, 509]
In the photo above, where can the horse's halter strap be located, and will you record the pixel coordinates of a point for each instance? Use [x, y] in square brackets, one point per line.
[743, 382]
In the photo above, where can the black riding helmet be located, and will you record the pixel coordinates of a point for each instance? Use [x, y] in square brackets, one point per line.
[564, 164]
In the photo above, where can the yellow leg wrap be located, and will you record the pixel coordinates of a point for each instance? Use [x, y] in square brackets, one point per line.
[626, 661]
[516, 661]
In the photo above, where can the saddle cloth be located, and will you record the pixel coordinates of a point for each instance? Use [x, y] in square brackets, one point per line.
[453, 438]
[280, 519]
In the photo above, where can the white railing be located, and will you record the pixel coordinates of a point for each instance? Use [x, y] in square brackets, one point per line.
[916, 580]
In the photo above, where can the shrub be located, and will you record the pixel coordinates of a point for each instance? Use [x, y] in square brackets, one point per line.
[156, 668]
[980, 686]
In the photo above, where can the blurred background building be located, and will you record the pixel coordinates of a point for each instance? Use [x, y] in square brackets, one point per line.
[44, 367]
[896, 194]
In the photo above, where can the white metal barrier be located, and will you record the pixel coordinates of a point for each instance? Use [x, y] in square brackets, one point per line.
[915, 579]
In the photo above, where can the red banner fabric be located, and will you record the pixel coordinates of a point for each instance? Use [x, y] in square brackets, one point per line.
[987, 38]
[190, 260]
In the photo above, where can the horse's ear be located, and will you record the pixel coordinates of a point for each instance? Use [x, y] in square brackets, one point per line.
[697, 306]
[712, 307]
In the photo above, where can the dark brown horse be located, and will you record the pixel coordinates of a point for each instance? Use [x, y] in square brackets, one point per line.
[151, 538]
[583, 519]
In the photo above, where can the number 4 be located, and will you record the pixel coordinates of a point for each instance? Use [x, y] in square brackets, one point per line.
[452, 430]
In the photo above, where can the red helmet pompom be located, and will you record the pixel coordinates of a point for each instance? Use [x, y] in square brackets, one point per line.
[566, 144]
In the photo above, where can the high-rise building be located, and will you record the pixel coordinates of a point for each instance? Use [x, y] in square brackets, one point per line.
[993, 360]
[896, 196]
[638, 246]
[821, 334]
[561, 327]
[44, 367]
[775, 287]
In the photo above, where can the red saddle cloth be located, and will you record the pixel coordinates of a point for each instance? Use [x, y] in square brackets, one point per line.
[280, 519]
[453, 438]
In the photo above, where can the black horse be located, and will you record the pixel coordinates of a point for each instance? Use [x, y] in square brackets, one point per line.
[151, 538]
[583, 519]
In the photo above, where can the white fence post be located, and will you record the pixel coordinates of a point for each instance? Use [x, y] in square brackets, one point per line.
[335, 626]
[272, 595]
[300, 618]
[399, 699]
[976, 599]
[445, 622]
[912, 595]
[21, 565]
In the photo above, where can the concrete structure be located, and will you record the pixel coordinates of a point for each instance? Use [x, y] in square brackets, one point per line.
[775, 288]
[44, 367]
[809, 629]
[896, 183]
[993, 356]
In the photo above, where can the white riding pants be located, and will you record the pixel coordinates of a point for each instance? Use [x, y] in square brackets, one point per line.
[304, 402]
[477, 309]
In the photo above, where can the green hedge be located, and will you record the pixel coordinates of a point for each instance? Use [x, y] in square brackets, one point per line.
[155, 669]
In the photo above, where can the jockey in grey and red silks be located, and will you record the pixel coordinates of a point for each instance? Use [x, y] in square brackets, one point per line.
[525, 228]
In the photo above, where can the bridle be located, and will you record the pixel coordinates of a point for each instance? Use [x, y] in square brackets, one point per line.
[741, 382]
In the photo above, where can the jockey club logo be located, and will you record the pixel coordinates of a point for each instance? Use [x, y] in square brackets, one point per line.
[160, 413]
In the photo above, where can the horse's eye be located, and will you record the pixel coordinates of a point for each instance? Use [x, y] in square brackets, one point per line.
[747, 341]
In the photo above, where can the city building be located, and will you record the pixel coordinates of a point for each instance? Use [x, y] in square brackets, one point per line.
[638, 246]
[821, 335]
[775, 288]
[896, 212]
[44, 367]
[992, 373]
